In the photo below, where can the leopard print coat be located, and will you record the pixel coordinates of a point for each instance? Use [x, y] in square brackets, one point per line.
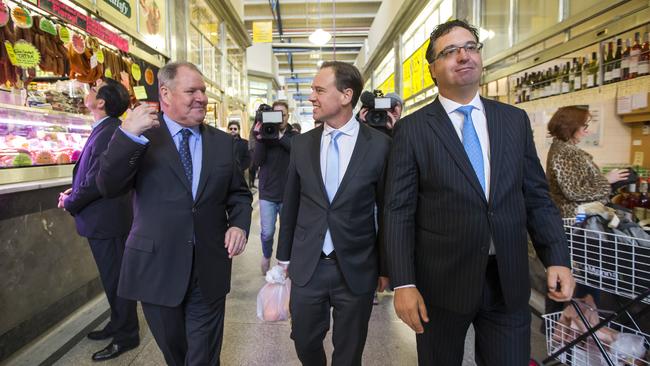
[574, 178]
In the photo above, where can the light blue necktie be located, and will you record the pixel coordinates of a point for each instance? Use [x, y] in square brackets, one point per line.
[472, 144]
[331, 180]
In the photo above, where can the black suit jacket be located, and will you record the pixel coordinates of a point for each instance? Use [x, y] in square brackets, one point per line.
[438, 222]
[90, 210]
[307, 212]
[242, 153]
[168, 224]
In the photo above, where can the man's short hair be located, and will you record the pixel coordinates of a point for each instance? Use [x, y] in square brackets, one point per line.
[443, 29]
[231, 123]
[167, 73]
[115, 96]
[281, 103]
[347, 76]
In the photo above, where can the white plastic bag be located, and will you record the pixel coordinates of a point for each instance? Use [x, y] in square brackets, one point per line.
[273, 298]
[627, 348]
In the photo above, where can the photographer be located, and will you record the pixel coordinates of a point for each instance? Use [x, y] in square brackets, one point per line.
[382, 117]
[272, 147]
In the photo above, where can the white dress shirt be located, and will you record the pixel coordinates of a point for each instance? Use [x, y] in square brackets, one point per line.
[480, 125]
[346, 142]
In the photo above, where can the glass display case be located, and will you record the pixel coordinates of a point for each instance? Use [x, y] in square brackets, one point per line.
[32, 137]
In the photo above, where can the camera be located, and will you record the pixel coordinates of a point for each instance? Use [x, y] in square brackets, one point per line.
[271, 121]
[378, 107]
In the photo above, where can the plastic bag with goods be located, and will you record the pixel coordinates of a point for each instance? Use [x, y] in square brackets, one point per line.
[273, 298]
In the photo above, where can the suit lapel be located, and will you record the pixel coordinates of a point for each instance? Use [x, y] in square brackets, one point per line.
[357, 159]
[170, 152]
[443, 127]
[89, 142]
[209, 150]
[315, 163]
[496, 142]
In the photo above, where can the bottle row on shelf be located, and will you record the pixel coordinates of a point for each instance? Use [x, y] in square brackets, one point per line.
[580, 73]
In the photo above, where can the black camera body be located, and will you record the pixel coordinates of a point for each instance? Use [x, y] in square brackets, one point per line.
[271, 121]
[378, 107]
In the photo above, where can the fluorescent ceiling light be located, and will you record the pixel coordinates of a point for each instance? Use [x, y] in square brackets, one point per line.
[320, 37]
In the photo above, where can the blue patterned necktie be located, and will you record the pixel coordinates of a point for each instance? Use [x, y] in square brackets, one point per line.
[472, 144]
[184, 151]
[331, 180]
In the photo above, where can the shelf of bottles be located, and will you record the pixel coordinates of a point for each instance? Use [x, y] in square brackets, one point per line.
[636, 200]
[620, 58]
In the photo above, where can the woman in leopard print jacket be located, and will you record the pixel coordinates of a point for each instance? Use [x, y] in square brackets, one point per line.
[572, 175]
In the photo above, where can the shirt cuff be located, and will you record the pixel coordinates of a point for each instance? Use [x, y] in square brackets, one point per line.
[405, 286]
[139, 139]
[284, 263]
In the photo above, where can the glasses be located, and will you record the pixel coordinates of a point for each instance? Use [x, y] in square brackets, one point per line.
[472, 48]
[234, 129]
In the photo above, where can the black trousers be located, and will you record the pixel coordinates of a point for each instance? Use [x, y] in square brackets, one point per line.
[123, 325]
[252, 172]
[310, 317]
[191, 333]
[502, 334]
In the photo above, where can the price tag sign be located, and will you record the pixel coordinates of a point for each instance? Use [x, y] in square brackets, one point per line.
[10, 53]
[135, 71]
[140, 92]
[100, 56]
[64, 35]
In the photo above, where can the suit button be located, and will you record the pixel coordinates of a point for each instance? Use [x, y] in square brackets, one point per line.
[193, 209]
[190, 242]
[491, 213]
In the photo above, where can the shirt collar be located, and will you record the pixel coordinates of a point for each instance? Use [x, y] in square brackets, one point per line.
[96, 124]
[175, 128]
[450, 106]
[346, 129]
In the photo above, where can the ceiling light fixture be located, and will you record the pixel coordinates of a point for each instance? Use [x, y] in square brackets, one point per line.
[320, 37]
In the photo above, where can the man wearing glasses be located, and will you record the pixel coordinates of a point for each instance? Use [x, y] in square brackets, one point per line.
[241, 146]
[272, 158]
[464, 187]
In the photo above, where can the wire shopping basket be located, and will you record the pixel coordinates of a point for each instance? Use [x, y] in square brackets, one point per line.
[618, 264]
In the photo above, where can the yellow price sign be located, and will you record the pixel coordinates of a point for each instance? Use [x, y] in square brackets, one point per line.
[108, 73]
[10, 53]
[27, 55]
[136, 72]
[64, 35]
[100, 56]
[140, 92]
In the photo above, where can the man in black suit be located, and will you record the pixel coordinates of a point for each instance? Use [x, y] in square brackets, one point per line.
[192, 214]
[104, 221]
[327, 226]
[241, 146]
[464, 185]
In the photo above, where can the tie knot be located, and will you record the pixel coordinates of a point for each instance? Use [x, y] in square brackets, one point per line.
[335, 135]
[466, 110]
[186, 133]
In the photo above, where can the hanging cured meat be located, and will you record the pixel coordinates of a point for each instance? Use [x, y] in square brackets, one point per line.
[81, 66]
[8, 72]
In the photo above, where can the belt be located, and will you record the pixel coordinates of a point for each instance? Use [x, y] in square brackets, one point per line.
[331, 256]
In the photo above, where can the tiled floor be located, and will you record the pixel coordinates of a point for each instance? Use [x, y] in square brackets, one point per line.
[249, 341]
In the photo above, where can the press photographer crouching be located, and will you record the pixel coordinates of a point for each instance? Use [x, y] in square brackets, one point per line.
[379, 111]
[273, 136]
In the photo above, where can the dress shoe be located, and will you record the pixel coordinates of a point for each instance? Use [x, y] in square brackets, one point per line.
[100, 335]
[111, 351]
[264, 265]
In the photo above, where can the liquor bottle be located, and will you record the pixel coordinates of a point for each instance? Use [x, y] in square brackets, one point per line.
[644, 56]
[635, 51]
[572, 74]
[556, 81]
[633, 198]
[566, 70]
[609, 63]
[592, 71]
[625, 61]
[618, 56]
[526, 87]
[577, 74]
[644, 200]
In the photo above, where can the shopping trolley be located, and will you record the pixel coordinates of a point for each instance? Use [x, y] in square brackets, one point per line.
[618, 264]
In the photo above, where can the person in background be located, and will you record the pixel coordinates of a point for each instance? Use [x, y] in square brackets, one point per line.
[241, 146]
[272, 156]
[464, 187]
[104, 221]
[297, 127]
[192, 214]
[252, 171]
[573, 177]
[394, 114]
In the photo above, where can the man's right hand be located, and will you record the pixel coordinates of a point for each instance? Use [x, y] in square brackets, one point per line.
[256, 130]
[140, 119]
[409, 306]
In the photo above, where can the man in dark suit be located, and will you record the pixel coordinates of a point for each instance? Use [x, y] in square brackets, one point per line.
[241, 146]
[464, 185]
[104, 221]
[327, 226]
[192, 214]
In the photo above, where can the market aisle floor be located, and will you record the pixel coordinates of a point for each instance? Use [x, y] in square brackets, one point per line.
[249, 341]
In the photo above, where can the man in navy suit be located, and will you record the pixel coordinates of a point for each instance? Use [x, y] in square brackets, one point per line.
[192, 213]
[464, 186]
[104, 221]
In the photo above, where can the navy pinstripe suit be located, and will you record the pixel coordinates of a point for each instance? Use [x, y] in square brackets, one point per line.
[439, 224]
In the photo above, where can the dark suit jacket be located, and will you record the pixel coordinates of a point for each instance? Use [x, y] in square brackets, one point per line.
[242, 153]
[307, 212]
[168, 224]
[97, 217]
[438, 222]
